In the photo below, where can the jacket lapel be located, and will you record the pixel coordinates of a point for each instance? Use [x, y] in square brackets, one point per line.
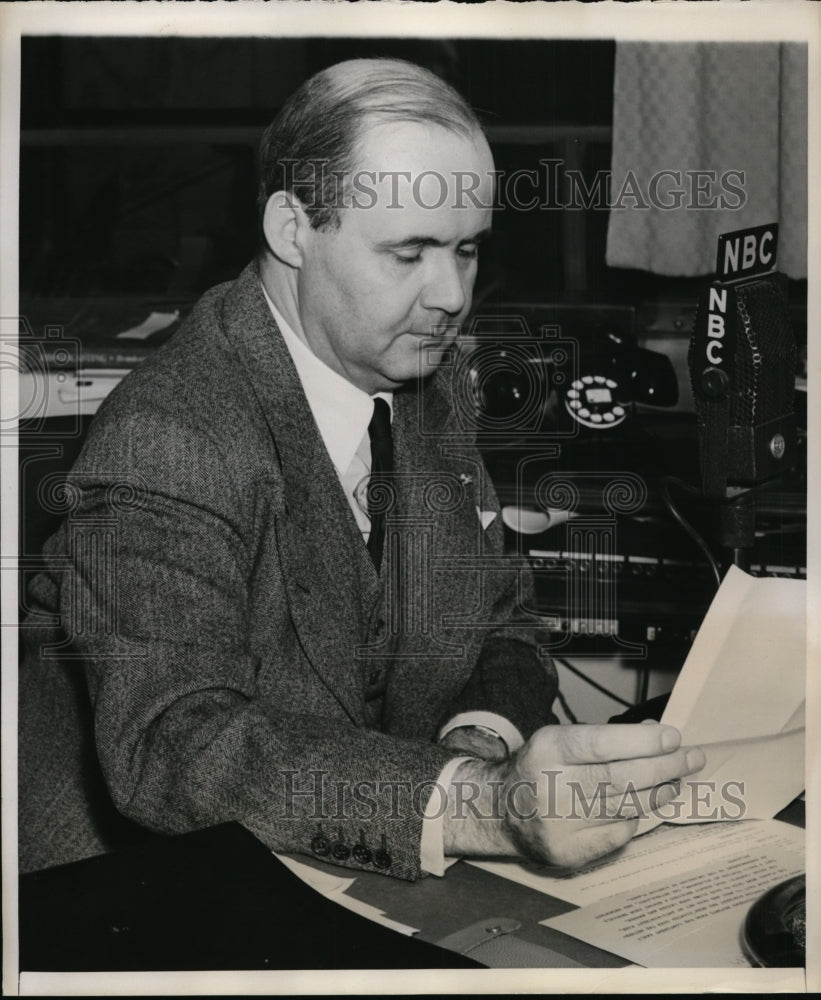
[437, 496]
[328, 574]
[439, 473]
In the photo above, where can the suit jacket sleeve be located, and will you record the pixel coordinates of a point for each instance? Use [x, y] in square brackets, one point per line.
[161, 623]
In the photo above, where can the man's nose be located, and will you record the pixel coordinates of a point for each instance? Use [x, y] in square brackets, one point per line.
[445, 288]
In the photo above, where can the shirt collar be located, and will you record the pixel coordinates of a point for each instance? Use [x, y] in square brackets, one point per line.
[342, 411]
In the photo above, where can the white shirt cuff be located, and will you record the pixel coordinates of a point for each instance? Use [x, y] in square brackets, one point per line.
[432, 847]
[501, 727]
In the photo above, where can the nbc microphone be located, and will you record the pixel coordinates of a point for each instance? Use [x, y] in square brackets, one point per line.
[742, 361]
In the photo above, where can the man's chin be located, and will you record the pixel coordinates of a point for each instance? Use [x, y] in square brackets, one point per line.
[398, 378]
[426, 355]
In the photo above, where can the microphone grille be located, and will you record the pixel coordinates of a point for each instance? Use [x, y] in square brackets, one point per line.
[765, 355]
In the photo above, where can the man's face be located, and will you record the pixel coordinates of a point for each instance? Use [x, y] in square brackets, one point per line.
[400, 267]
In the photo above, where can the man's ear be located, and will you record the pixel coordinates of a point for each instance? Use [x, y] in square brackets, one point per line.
[282, 221]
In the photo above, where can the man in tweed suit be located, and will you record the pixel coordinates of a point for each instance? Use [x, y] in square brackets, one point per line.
[229, 648]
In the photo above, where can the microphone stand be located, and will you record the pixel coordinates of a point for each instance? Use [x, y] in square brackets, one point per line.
[736, 530]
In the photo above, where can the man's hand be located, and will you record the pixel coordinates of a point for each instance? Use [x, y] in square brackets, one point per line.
[570, 795]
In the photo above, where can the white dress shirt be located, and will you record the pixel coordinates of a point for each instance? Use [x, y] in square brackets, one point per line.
[342, 413]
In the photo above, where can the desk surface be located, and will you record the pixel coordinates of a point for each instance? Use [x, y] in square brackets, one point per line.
[467, 895]
[218, 899]
[213, 899]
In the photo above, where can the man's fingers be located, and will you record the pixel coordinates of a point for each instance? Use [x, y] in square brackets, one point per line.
[640, 805]
[622, 779]
[646, 772]
[595, 744]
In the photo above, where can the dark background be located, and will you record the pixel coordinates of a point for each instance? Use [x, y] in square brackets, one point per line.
[138, 166]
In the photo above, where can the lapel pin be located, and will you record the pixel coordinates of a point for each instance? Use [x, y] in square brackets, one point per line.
[464, 478]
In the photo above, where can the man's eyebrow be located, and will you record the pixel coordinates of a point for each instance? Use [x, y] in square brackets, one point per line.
[428, 241]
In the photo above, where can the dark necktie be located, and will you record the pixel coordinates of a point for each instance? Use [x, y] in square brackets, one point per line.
[379, 430]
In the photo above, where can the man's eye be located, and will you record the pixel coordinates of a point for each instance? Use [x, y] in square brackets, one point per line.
[408, 258]
[469, 251]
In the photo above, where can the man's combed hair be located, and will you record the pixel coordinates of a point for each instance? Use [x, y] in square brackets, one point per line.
[310, 148]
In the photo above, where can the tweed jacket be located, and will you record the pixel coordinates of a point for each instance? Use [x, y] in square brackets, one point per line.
[202, 641]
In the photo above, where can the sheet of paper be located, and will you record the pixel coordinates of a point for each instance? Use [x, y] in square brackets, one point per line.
[740, 696]
[644, 859]
[693, 916]
[328, 885]
[744, 674]
[156, 321]
[335, 888]
[742, 779]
